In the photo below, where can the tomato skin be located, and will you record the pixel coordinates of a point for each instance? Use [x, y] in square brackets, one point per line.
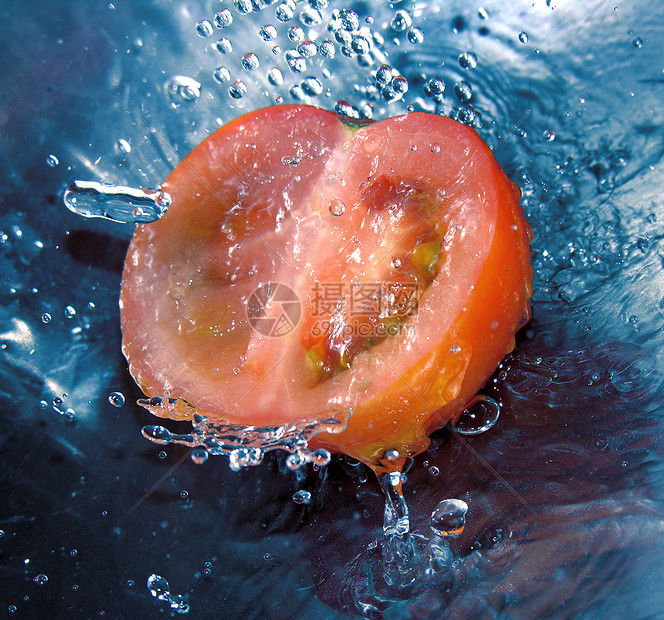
[439, 178]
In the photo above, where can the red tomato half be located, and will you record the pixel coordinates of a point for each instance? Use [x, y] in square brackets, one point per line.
[403, 242]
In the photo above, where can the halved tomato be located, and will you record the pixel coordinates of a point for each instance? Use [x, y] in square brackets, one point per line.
[394, 257]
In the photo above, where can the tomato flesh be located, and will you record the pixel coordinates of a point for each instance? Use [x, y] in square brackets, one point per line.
[402, 240]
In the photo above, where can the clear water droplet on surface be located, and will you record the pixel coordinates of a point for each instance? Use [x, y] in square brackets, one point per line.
[268, 32]
[449, 518]
[116, 399]
[224, 46]
[221, 75]
[181, 87]
[302, 497]
[243, 6]
[237, 89]
[383, 75]
[310, 16]
[468, 60]
[284, 12]
[346, 110]
[399, 85]
[122, 204]
[52, 161]
[523, 37]
[250, 62]
[312, 86]
[480, 415]
[349, 20]
[295, 61]
[204, 28]
[401, 21]
[326, 49]
[463, 91]
[296, 34]
[223, 18]
[337, 207]
[275, 77]
[307, 49]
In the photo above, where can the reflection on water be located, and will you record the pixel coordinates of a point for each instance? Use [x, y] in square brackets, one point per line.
[564, 494]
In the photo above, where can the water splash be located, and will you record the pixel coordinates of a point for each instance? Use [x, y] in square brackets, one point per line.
[160, 589]
[480, 415]
[118, 203]
[247, 445]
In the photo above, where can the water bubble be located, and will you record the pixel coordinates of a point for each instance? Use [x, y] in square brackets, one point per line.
[307, 49]
[302, 497]
[294, 461]
[392, 455]
[434, 471]
[360, 44]
[349, 20]
[400, 21]
[122, 147]
[41, 579]
[284, 12]
[184, 494]
[396, 262]
[337, 207]
[480, 415]
[183, 87]
[221, 75]
[548, 135]
[157, 434]
[400, 85]
[483, 13]
[238, 89]
[250, 62]
[312, 86]
[310, 16]
[12, 609]
[204, 28]
[449, 518]
[383, 75]
[326, 49]
[465, 115]
[296, 34]
[199, 455]
[223, 18]
[463, 91]
[343, 37]
[523, 37]
[70, 312]
[116, 399]
[318, 4]
[295, 61]
[46, 317]
[468, 60]
[276, 50]
[242, 6]
[162, 455]
[224, 46]
[415, 35]
[275, 77]
[52, 161]
[268, 32]
[638, 42]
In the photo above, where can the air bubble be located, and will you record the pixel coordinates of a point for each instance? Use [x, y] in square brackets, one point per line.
[160, 590]
[284, 12]
[395, 262]
[268, 32]
[415, 35]
[116, 399]
[182, 87]
[70, 312]
[302, 497]
[52, 161]
[242, 6]
[434, 471]
[548, 135]
[383, 75]
[224, 46]
[449, 518]
[337, 207]
[360, 44]
[199, 455]
[399, 85]
[523, 37]
[296, 34]
[223, 18]
[238, 89]
[463, 91]
[392, 455]
[275, 77]
[221, 75]
[638, 42]
[40, 580]
[349, 20]
[295, 61]
[310, 17]
[250, 62]
[468, 60]
[312, 86]
[326, 49]
[307, 49]
[204, 28]
[400, 21]
[46, 317]
[122, 147]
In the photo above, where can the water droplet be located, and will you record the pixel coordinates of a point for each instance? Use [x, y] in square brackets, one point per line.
[275, 77]
[52, 161]
[548, 135]
[268, 32]
[250, 62]
[468, 60]
[184, 494]
[434, 471]
[181, 87]
[162, 455]
[392, 455]
[223, 18]
[638, 42]
[41, 579]
[116, 399]
[302, 497]
[312, 86]
[122, 147]
[46, 317]
[480, 415]
[360, 44]
[464, 91]
[296, 62]
[199, 455]
[242, 6]
[204, 28]
[157, 434]
[523, 37]
[296, 34]
[396, 262]
[337, 207]
[326, 49]
[400, 21]
[449, 518]
[284, 12]
[70, 312]
[237, 89]
[310, 16]
[415, 35]
[224, 46]
[221, 75]
[12, 609]
[116, 203]
[294, 461]
[349, 20]
[307, 49]
[383, 75]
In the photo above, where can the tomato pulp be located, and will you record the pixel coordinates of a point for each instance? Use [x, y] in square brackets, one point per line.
[309, 266]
